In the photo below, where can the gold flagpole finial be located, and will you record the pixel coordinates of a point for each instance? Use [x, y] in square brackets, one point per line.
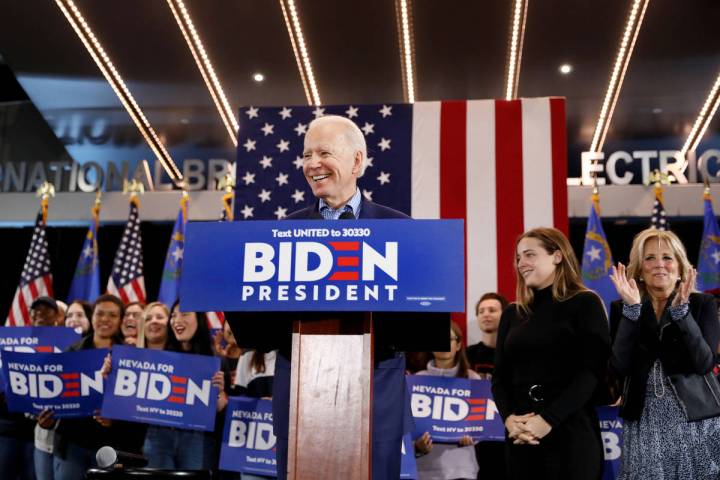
[227, 183]
[133, 187]
[98, 198]
[45, 191]
[706, 190]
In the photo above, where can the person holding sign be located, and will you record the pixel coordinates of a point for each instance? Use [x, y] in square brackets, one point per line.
[667, 336]
[174, 448]
[77, 440]
[444, 461]
[552, 350]
[131, 327]
[334, 157]
[152, 328]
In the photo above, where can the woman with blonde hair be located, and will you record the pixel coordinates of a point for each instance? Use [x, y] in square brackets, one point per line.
[153, 326]
[664, 347]
[552, 350]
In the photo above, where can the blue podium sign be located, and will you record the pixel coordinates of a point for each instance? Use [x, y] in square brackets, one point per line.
[364, 265]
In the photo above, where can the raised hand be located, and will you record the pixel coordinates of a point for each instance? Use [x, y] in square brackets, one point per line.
[627, 289]
[684, 289]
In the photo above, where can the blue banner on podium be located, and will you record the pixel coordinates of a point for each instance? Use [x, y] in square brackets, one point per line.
[363, 265]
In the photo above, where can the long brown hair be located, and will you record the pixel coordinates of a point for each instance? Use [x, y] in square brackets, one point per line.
[460, 357]
[568, 280]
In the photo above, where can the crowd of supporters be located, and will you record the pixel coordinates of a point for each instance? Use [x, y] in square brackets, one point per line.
[557, 331]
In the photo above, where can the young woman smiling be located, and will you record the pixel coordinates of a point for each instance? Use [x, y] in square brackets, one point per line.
[552, 349]
[171, 448]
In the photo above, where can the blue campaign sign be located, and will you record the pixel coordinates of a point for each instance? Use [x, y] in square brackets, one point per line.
[70, 384]
[248, 444]
[451, 407]
[408, 465]
[611, 429]
[36, 340]
[365, 265]
[162, 388]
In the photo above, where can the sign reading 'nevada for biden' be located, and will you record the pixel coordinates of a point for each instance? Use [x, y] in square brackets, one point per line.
[70, 384]
[35, 340]
[377, 265]
[162, 388]
[248, 441]
[450, 407]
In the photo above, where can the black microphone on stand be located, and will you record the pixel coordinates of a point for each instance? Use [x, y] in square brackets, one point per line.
[347, 215]
[108, 457]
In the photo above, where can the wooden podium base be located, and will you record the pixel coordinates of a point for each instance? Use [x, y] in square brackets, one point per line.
[330, 398]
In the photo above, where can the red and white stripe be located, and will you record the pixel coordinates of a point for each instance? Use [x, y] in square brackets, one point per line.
[133, 291]
[215, 320]
[511, 156]
[19, 315]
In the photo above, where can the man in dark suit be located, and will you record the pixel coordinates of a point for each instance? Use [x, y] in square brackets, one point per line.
[335, 156]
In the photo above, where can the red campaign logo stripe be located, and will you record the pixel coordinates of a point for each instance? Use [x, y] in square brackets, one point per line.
[475, 417]
[176, 399]
[345, 276]
[44, 349]
[181, 380]
[71, 385]
[178, 390]
[70, 376]
[348, 261]
[71, 394]
[345, 246]
[477, 401]
[477, 409]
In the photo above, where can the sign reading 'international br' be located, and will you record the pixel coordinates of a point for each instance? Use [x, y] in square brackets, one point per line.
[372, 265]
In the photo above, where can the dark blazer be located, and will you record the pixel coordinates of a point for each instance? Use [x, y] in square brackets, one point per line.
[368, 210]
[687, 345]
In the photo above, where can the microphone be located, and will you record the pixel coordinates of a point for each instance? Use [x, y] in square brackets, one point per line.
[347, 215]
[108, 457]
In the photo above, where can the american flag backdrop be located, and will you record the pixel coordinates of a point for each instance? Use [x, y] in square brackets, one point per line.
[126, 280]
[35, 280]
[499, 165]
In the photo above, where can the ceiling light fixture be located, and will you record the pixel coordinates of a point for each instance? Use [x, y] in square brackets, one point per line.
[292, 22]
[517, 34]
[258, 77]
[627, 43]
[194, 43]
[566, 68]
[93, 46]
[712, 102]
[403, 14]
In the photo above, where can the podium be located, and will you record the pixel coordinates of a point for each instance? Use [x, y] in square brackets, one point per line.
[334, 301]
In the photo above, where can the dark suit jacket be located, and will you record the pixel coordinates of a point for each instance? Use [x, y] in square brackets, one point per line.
[368, 210]
[687, 345]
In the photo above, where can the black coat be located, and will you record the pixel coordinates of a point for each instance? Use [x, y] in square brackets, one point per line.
[687, 345]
